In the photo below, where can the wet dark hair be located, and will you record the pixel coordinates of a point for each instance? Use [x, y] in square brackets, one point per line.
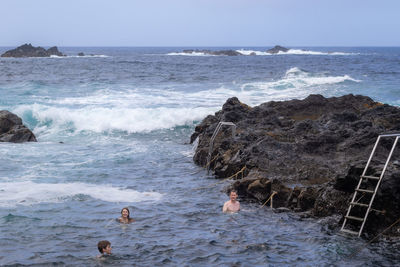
[102, 245]
[126, 208]
[234, 191]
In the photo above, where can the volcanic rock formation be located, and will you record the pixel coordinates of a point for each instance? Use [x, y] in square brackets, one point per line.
[12, 129]
[276, 49]
[27, 50]
[311, 152]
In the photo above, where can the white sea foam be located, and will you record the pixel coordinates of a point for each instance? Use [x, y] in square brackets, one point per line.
[296, 83]
[30, 193]
[247, 52]
[55, 56]
[309, 79]
[144, 110]
[102, 119]
[253, 52]
[293, 52]
[90, 56]
[308, 52]
[193, 54]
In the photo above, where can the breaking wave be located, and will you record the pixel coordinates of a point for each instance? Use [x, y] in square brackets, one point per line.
[30, 193]
[145, 110]
[104, 119]
[296, 83]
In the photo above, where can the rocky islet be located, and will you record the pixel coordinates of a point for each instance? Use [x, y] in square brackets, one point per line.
[27, 50]
[275, 50]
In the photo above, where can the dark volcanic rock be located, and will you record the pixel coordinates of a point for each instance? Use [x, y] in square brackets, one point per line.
[53, 51]
[276, 49]
[213, 53]
[312, 152]
[27, 50]
[81, 54]
[12, 129]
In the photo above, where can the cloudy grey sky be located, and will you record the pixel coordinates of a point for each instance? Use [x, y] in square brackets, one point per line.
[200, 22]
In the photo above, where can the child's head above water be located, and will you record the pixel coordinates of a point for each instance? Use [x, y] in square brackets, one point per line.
[104, 246]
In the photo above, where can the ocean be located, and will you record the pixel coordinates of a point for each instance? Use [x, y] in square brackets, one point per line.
[113, 130]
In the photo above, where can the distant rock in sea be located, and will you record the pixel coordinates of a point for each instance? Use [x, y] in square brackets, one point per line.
[27, 50]
[276, 49]
[81, 54]
[214, 53]
[12, 129]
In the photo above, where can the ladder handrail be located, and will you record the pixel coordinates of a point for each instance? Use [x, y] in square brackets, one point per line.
[216, 131]
[360, 181]
[376, 186]
[372, 154]
[389, 135]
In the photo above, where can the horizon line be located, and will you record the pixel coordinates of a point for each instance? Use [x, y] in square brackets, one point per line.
[172, 46]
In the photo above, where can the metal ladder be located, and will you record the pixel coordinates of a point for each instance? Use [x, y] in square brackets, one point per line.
[358, 190]
[216, 131]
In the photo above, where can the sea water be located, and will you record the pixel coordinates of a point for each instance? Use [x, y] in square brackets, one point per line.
[113, 130]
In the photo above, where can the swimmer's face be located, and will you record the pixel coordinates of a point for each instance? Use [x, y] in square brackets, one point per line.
[125, 213]
[233, 196]
[107, 249]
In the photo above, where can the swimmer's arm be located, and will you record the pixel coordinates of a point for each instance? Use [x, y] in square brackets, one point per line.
[225, 207]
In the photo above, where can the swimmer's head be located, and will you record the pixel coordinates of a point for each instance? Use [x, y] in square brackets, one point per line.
[125, 212]
[233, 195]
[104, 246]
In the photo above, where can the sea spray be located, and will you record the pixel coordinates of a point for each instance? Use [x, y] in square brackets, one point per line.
[30, 193]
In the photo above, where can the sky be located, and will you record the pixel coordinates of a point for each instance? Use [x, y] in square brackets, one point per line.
[196, 23]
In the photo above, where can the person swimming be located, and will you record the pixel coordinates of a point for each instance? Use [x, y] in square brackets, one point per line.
[125, 216]
[104, 248]
[232, 205]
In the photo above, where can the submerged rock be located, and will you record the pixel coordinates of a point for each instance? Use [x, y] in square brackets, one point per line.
[27, 50]
[311, 152]
[12, 129]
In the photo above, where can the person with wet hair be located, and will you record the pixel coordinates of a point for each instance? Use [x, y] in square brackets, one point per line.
[104, 247]
[125, 216]
[232, 205]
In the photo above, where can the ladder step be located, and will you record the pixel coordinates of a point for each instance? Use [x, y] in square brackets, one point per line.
[365, 191]
[358, 204]
[354, 218]
[349, 231]
[371, 177]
